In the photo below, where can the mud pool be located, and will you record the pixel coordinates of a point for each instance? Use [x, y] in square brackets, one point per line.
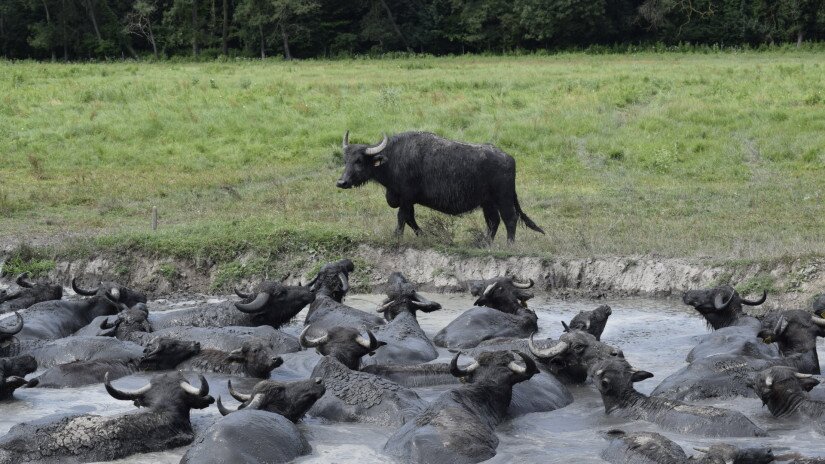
[655, 335]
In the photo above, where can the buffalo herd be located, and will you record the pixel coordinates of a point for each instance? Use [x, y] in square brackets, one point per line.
[373, 365]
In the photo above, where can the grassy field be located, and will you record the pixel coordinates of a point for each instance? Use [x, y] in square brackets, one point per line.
[694, 155]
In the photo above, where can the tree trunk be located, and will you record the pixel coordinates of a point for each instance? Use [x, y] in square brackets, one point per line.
[395, 26]
[90, 8]
[63, 27]
[285, 36]
[194, 28]
[225, 29]
[263, 43]
[48, 22]
[799, 39]
[152, 37]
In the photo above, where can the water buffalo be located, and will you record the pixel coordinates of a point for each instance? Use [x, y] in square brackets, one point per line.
[785, 392]
[795, 332]
[459, 426]
[272, 304]
[8, 332]
[405, 341]
[501, 312]
[230, 338]
[444, 175]
[354, 396]
[653, 448]
[572, 355]
[721, 306]
[248, 437]
[614, 378]
[28, 294]
[51, 320]
[592, 322]
[164, 424]
[327, 311]
[12, 373]
[131, 324]
[289, 399]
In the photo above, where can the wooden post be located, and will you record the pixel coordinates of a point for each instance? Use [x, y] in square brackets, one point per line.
[154, 218]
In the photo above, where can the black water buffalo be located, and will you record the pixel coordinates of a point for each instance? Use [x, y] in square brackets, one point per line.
[130, 324]
[459, 426]
[795, 332]
[289, 399]
[164, 424]
[592, 322]
[405, 341]
[447, 176]
[614, 378]
[328, 310]
[272, 303]
[721, 306]
[28, 294]
[501, 312]
[653, 448]
[785, 392]
[12, 373]
[248, 437]
[353, 396]
[51, 320]
[571, 356]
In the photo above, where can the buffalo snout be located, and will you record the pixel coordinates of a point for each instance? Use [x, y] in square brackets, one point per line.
[344, 184]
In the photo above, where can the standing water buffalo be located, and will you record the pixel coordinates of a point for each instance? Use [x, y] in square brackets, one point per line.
[444, 175]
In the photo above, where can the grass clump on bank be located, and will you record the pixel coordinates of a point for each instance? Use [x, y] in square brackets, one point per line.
[717, 155]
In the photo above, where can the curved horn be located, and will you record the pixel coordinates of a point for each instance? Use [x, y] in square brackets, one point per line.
[370, 343]
[311, 283]
[546, 353]
[257, 402]
[22, 282]
[566, 327]
[371, 151]
[122, 394]
[189, 388]
[105, 324]
[16, 328]
[344, 281]
[515, 366]
[818, 321]
[719, 300]
[312, 342]
[242, 294]
[702, 450]
[238, 396]
[756, 302]
[257, 304]
[489, 289]
[529, 364]
[456, 371]
[802, 376]
[82, 291]
[113, 294]
[345, 143]
[222, 409]
[385, 306]
[528, 284]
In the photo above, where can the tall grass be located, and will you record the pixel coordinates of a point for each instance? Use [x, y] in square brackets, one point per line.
[718, 154]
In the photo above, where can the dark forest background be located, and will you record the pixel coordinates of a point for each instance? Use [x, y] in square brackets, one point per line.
[114, 29]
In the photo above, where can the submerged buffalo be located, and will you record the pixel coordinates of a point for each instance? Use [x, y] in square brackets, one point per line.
[653, 448]
[163, 424]
[592, 322]
[459, 426]
[444, 175]
[614, 379]
[12, 373]
[28, 294]
[289, 399]
[785, 392]
[328, 310]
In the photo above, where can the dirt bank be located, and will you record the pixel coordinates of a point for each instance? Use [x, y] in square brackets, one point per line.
[790, 283]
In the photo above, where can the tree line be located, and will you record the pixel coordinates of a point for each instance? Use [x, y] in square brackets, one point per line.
[113, 29]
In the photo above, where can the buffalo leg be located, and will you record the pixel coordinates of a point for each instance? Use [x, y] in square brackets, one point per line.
[492, 219]
[406, 215]
[402, 221]
[411, 221]
[510, 218]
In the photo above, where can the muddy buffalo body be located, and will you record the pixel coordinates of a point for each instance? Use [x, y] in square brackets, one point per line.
[419, 168]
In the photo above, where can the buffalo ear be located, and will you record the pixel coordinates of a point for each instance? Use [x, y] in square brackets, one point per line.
[378, 160]
[638, 376]
[808, 383]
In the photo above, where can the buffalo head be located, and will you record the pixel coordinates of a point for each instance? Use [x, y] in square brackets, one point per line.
[495, 367]
[112, 293]
[170, 392]
[615, 378]
[257, 359]
[289, 399]
[333, 279]
[402, 297]
[273, 303]
[163, 353]
[592, 322]
[345, 344]
[571, 357]
[782, 388]
[720, 306]
[361, 162]
[503, 293]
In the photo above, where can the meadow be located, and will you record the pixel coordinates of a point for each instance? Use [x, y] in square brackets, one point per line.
[717, 155]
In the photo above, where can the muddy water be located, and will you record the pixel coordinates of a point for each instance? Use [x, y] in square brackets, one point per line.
[655, 335]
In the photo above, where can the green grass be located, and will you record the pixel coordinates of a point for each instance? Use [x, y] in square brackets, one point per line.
[713, 155]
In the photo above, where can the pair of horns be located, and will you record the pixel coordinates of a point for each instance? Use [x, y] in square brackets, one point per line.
[125, 395]
[113, 293]
[370, 151]
[719, 301]
[513, 365]
[22, 281]
[369, 343]
[417, 300]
